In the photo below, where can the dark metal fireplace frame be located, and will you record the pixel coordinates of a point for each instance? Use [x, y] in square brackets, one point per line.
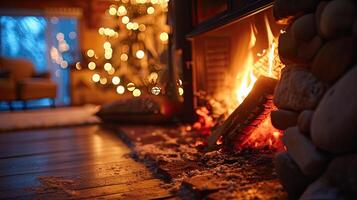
[235, 11]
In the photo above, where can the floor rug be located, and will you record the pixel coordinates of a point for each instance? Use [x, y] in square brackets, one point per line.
[47, 118]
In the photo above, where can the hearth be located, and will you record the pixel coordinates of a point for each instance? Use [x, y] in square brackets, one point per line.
[235, 70]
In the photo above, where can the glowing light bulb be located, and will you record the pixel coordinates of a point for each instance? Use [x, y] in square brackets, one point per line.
[116, 80]
[78, 66]
[180, 90]
[164, 36]
[112, 10]
[136, 93]
[111, 71]
[125, 19]
[90, 53]
[155, 90]
[107, 66]
[123, 57]
[103, 81]
[135, 26]
[130, 87]
[120, 89]
[130, 25]
[107, 56]
[153, 76]
[121, 11]
[95, 78]
[107, 45]
[91, 65]
[101, 31]
[150, 10]
[140, 54]
[142, 27]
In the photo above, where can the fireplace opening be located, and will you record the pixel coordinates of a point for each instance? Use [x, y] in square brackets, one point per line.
[228, 62]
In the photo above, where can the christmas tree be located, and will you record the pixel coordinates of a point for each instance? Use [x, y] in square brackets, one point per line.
[135, 55]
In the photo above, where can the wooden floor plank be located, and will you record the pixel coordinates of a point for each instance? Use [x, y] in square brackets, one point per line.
[90, 161]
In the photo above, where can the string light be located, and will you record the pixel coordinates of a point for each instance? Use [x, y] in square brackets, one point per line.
[103, 81]
[107, 66]
[120, 89]
[121, 11]
[95, 78]
[180, 90]
[125, 19]
[90, 53]
[140, 54]
[155, 90]
[123, 57]
[136, 93]
[111, 71]
[164, 36]
[116, 80]
[107, 45]
[91, 65]
[150, 10]
[78, 66]
[112, 10]
[130, 87]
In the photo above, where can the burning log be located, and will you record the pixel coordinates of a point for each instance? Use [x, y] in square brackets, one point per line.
[245, 118]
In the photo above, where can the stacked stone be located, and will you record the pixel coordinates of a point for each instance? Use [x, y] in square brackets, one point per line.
[317, 98]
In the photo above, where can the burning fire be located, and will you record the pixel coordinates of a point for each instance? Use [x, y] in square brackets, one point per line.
[252, 65]
[251, 69]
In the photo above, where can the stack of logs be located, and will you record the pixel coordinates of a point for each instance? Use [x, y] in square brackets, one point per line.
[317, 98]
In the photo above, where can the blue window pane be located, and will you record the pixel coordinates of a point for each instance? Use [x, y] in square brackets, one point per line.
[36, 38]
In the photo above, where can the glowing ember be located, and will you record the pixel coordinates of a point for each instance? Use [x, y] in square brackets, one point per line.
[265, 135]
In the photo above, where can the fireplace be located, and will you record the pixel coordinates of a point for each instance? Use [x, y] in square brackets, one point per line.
[232, 61]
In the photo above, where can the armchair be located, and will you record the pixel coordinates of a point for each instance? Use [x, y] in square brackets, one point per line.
[22, 83]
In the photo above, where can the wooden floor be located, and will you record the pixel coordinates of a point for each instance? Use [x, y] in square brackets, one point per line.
[72, 163]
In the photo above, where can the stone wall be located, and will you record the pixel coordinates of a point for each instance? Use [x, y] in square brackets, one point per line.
[317, 98]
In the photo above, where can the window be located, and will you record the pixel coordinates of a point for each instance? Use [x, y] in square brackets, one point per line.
[51, 43]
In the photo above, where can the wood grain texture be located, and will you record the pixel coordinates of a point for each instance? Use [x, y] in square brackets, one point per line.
[72, 163]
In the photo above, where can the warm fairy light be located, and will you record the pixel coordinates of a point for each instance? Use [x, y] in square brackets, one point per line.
[107, 66]
[180, 82]
[136, 93]
[109, 50]
[107, 45]
[142, 27]
[107, 56]
[155, 90]
[121, 11]
[125, 19]
[164, 36]
[153, 77]
[95, 78]
[90, 53]
[64, 64]
[60, 36]
[130, 25]
[116, 80]
[112, 10]
[125, 1]
[135, 26]
[150, 10]
[78, 66]
[154, 1]
[140, 54]
[103, 81]
[101, 31]
[180, 90]
[111, 71]
[91, 65]
[130, 87]
[120, 89]
[123, 57]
